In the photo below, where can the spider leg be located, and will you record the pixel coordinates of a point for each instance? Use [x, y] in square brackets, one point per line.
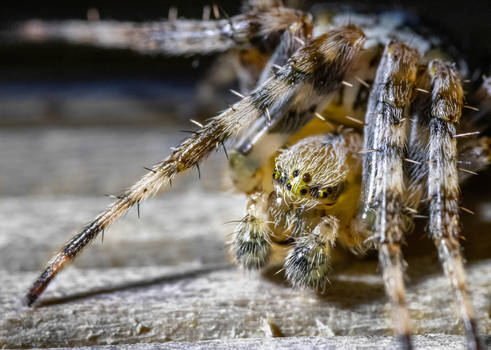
[251, 67]
[315, 69]
[474, 152]
[307, 263]
[443, 185]
[382, 209]
[255, 146]
[415, 166]
[175, 36]
[251, 241]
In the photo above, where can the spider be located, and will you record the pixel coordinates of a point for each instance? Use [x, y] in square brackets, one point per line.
[346, 129]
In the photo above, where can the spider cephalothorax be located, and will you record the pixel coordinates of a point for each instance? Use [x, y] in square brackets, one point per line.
[311, 183]
[313, 171]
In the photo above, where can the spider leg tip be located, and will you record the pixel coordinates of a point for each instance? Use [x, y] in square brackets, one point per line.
[28, 300]
[405, 341]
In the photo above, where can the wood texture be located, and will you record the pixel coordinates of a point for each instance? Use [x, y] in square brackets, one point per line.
[166, 277]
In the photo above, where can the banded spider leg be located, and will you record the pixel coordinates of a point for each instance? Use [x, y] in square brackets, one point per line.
[443, 185]
[257, 28]
[381, 212]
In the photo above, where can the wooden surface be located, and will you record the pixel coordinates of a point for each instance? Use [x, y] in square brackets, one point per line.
[166, 278]
[441, 341]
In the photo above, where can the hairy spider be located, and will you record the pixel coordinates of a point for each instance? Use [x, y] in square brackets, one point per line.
[345, 130]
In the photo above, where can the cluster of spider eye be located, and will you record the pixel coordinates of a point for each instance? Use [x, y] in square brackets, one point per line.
[331, 185]
[301, 187]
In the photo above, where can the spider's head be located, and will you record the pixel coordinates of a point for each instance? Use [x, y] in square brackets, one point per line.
[312, 172]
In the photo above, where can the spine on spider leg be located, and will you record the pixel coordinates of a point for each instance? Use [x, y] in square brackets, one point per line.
[443, 184]
[277, 93]
[171, 37]
[382, 208]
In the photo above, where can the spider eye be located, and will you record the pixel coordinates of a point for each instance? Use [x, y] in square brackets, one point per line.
[306, 178]
[289, 186]
[296, 173]
[303, 191]
[325, 192]
[331, 192]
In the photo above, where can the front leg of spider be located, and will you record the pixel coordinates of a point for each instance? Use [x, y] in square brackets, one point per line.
[251, 241]
[307, 264]
[443, 185]
[327, 57]
[382, 213]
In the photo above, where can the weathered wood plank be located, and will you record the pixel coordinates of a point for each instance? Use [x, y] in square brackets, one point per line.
[165, 278]
[434, 341]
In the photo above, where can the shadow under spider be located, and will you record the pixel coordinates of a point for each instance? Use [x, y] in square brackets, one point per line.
[133, 285]
[335, 291]
[354, 290]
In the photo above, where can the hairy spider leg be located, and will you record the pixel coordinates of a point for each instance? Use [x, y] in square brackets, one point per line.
[382, 207]
[259, 29]
[250, 243]
[443, 185]
[307, 264]
[253, 65]
[256, 145]
[474, 152]
[318, 66]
